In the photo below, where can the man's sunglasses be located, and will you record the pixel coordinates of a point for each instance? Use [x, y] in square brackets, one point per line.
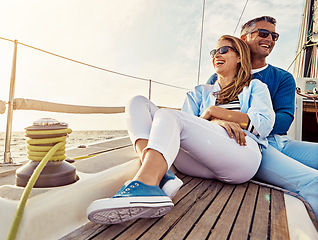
[263, 33]
[221, 50]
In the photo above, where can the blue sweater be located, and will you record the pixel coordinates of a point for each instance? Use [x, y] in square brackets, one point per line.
[282, 86]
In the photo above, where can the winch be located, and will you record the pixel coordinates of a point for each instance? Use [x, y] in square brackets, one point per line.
[44, 135]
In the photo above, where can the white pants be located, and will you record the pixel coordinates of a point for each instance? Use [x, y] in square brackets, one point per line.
[195, 146]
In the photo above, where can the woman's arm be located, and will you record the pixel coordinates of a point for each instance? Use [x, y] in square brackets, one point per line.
[193, 101]
[232, 121]
[260, 110]
[257, 115]
[213, 112]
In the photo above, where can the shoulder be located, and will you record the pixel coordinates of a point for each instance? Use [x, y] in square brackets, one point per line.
[257, 87]
[256, 83]
[279, 71]
[212, 79]
[204, 88]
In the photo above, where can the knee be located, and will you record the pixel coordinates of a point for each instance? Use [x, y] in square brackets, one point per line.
[165, 113]
[135, 101]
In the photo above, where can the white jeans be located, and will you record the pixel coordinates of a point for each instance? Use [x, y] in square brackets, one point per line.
[194, 145]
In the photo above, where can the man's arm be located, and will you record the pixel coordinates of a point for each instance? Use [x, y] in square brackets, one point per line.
[284, 105]
[212, 79]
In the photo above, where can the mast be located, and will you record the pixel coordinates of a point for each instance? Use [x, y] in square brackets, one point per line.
[307, 61]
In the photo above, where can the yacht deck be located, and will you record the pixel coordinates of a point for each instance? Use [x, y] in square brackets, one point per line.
[204, 209]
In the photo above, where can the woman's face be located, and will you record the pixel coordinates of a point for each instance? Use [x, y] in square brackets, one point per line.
[225, 64]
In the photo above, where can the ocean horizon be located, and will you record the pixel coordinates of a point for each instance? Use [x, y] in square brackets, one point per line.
[76, 138]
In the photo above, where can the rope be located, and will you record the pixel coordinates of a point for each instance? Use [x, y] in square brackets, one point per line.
[165, 84]
[309, 96]
[240, 17]
[39, 151]
[92, 66]
[39, 142]
[18, 215]
[297, 55]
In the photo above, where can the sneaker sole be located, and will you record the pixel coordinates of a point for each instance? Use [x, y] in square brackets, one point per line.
[117, 210]
[171, 187]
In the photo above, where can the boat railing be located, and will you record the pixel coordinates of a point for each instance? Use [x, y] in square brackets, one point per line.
[31, 104]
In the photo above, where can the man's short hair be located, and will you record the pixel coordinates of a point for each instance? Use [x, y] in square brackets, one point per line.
[250, 25]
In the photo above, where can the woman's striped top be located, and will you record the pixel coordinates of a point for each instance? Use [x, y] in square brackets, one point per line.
[235, 106]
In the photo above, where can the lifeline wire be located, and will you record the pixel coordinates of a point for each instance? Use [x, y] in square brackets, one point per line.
[89, 65]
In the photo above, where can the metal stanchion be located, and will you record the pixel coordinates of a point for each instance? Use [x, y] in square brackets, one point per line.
[7, 154]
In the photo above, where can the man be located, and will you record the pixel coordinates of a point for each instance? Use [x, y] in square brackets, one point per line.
[287, 163]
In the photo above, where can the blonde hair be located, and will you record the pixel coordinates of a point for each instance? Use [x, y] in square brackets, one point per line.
[243, 76]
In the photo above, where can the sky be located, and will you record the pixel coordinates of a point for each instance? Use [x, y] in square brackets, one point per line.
[151, 39]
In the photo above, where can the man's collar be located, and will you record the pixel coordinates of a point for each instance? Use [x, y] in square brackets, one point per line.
[259, 69]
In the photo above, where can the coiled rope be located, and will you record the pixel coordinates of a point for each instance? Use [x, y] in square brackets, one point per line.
[40, 142]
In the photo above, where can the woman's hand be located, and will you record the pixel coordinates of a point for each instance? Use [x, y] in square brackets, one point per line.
[207, 114]
[233, 129]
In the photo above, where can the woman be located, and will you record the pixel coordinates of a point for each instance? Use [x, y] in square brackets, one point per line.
[217, 135]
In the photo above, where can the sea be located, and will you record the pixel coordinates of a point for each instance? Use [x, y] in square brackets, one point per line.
[75, 139]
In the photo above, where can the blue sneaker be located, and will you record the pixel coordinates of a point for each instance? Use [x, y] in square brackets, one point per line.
[134, 200]
[170, 184]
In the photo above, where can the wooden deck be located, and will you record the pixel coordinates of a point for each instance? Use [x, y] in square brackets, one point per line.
[205, 209]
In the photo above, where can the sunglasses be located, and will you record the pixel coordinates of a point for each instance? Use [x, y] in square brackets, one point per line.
[263, 33]
[221, 50]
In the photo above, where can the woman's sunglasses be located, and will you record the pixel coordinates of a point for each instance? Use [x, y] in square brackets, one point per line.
[263, 33]
[221, 50]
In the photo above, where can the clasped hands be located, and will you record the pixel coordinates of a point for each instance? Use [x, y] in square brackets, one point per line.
[233, 129]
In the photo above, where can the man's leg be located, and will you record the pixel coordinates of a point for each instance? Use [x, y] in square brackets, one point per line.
[302, 151]
[283, 171]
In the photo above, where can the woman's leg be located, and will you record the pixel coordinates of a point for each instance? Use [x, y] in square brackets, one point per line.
[188, 165]
[200, 138]
[207, 143]
[153, 168]
[142, 197]
[140, 112]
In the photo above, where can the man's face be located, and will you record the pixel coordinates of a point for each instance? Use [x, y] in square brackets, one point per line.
[260, 47]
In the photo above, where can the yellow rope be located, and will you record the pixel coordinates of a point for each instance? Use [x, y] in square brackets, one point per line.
[48, 132]
[40, 141]
[41, 148]
[18, 215]
[43, 154]
[86, 156]
[46, 140]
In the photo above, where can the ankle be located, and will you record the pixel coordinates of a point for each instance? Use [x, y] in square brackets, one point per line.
[149, 180]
